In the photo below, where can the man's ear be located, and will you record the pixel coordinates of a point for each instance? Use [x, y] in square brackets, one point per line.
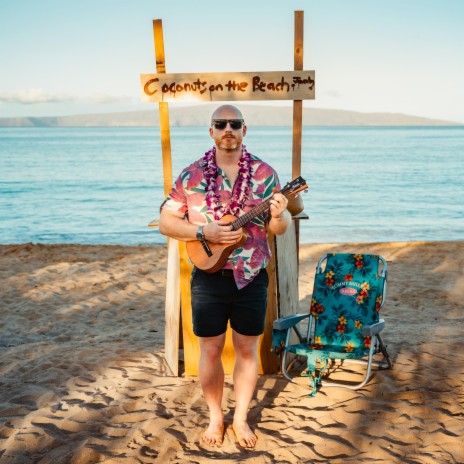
[211, 132]
[244, 130]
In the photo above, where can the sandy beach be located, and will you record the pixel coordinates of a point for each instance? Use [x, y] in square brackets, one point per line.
[82, 372]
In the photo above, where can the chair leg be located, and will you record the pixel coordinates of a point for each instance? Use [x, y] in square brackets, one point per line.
[364, 362]
[284, 367]
[284, 358]
[384, 351]
[366, 378]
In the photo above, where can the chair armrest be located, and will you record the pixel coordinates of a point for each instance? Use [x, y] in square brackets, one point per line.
[288, 321]
[373, 329]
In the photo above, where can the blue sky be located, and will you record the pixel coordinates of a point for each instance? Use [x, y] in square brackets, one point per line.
[404, 56]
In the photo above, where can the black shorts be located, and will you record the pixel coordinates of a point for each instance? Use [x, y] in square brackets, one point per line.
[217, 300]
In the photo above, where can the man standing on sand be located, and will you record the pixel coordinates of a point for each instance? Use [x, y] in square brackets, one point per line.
[227, 180]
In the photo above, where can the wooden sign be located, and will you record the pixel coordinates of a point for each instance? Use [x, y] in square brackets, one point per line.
[275, 85]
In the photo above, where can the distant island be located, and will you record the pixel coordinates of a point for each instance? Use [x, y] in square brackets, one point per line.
[255, 115]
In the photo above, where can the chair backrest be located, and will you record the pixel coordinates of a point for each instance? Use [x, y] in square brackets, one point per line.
[348, 294]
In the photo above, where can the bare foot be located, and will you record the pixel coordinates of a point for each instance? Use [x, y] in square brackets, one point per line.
[245, 435]
[213, 435]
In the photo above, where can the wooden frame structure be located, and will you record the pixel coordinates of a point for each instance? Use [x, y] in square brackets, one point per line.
[283, 267]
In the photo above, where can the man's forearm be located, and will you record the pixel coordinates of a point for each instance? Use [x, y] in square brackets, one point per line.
[278, 225]
[176, 227]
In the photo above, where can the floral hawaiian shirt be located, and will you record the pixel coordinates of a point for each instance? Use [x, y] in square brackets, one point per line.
[188, 197]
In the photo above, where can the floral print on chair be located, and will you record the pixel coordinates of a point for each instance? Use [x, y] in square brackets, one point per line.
[347, 296]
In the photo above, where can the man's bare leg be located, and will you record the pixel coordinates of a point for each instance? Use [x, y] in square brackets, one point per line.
[245, 378]
[211, 373]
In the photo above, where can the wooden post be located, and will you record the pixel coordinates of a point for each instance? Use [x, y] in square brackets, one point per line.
[297, 110]
[172, 302]
[297, 104]
[287, 245]
[163, 108]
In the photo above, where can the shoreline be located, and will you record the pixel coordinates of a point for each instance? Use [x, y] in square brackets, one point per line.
[163, 245]
[82, 367]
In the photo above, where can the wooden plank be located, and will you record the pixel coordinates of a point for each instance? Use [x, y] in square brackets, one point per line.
[233, 86]
[172, 301]
[172, 305]
[287, 273]
[268, 361]
[190, 341]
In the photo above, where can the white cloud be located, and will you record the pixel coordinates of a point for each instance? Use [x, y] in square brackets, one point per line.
[33, 96]
[102, 98]
[38, 96]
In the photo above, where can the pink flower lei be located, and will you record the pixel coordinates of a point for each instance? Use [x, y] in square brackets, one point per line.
[241, 189]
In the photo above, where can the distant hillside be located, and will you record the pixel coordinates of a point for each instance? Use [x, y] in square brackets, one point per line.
[254, 115]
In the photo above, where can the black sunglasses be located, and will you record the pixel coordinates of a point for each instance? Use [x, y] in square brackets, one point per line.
[221, 124]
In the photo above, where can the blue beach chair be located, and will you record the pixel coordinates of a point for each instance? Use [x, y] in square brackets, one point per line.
[343, 321]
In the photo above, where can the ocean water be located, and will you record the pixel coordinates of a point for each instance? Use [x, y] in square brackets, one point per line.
[103, 185]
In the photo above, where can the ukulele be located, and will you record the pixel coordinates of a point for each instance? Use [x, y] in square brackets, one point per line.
[210, 257]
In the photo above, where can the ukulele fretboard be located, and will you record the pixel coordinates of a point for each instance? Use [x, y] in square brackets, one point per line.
[257, 210]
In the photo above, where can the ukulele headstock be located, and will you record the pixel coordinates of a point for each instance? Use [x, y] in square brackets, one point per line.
[296, 185]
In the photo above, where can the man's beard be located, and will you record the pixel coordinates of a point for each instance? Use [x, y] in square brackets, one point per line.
[229, 144]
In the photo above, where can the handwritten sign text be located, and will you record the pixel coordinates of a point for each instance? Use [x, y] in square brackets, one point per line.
[275, 85]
